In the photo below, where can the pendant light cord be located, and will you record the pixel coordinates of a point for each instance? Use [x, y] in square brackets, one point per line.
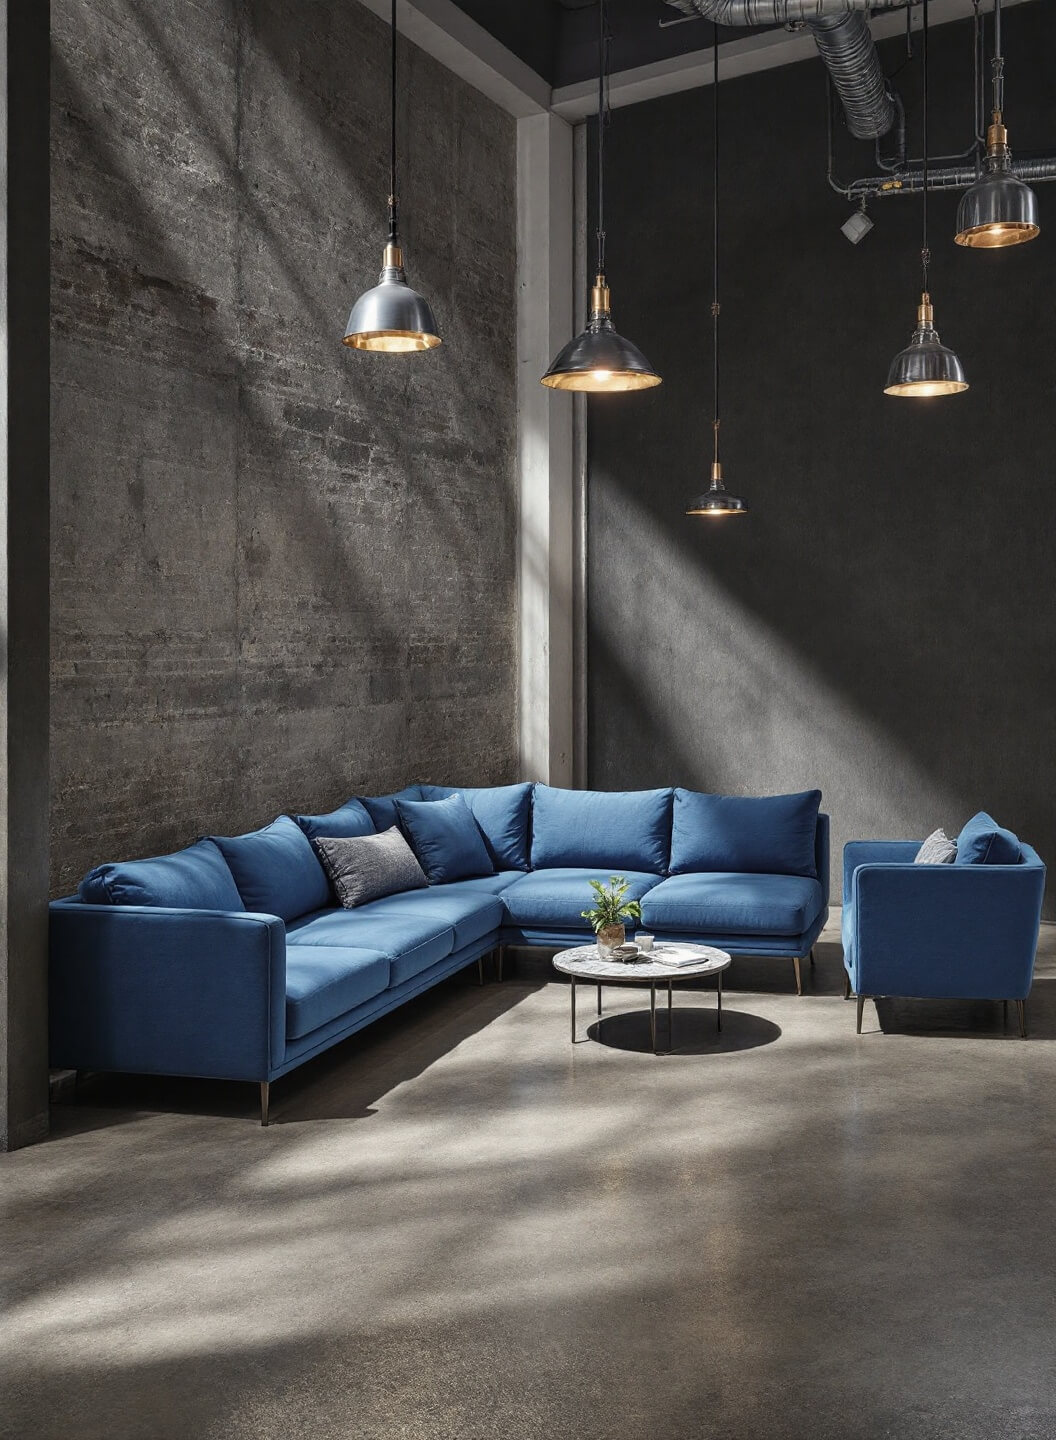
[999, 62]
[925, 253]
[715, 232]
[601, 137]
[393, 223]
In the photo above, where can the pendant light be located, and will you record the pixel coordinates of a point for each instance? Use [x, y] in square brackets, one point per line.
[926, 366]
[716, 500]
[392, 318]
[999, 209]
[600, 360]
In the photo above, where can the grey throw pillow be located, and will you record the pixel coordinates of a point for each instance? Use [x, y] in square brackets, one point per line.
[366, 867]
[938, 849]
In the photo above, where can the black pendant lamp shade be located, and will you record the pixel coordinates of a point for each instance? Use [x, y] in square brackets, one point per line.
[600, 360]
[999, 209]
[392, 318]
[926, 366]
[716, 499]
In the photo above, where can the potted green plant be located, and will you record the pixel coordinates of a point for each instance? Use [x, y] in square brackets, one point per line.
[610, 909]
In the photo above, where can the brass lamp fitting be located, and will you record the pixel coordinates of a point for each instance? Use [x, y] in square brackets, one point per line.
[600, 299]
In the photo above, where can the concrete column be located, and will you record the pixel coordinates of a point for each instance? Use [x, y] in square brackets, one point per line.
[545, 227]
[24, 560]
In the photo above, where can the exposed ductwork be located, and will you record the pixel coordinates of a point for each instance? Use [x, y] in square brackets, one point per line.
[841, 33]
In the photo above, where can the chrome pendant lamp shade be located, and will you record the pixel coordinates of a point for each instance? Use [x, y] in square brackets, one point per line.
[716, 499]
[999, 209]
[600, 360]
[926, 366]
[392, 318]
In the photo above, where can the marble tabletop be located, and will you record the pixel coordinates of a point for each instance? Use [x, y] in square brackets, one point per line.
[585, 963]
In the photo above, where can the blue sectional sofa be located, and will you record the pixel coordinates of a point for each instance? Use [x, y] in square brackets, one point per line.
[230, 960]
[964, 930]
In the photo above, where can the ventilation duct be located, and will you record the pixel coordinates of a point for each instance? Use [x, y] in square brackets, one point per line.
[841, 33]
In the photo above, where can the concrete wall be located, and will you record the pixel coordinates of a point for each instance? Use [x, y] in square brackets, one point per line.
[281, 571]
[883, 623]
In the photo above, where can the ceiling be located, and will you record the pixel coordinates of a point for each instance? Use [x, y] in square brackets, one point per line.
[558, 38]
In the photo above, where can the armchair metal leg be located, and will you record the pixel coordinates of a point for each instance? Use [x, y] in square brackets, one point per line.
[799, 977]
[861, 1007]
[265, 1090]
[812, 957]
[846, 984]
[1021, 1007]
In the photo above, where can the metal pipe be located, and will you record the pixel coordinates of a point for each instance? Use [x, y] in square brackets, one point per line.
[959, 177]
[841, 33]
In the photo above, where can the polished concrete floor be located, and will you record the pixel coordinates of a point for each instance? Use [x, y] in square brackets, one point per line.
[458, 1225]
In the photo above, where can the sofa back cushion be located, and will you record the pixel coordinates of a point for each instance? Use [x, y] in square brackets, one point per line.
[382, 808]
[984, 842]
[445, 838]
[628, 829]
[348, 819]
[504, 814]
[276, 870]
[754, 835]
[368, 867]
[193, 879]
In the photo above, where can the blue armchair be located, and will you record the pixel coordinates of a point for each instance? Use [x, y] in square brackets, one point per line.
[939, 931]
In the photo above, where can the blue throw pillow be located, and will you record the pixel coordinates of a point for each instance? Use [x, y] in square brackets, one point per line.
[614, 830]
[754, 835]
[345, 823]
[193, 879]
[504, 814]
[984, 842]
[276, 870]
[445, 837]
[382, 808]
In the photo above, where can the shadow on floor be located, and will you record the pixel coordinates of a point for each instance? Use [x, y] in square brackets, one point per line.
[396, 1048]
[695, 1031]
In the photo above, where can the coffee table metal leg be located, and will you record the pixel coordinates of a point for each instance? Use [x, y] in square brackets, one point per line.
[652, 1014]
[599, 1000]
[720, 1000]
[573, 1009]
[670, 1021]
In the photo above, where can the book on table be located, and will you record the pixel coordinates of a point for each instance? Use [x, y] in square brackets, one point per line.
[681, 956]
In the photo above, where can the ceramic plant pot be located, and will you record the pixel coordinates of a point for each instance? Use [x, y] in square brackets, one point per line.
[610, 937]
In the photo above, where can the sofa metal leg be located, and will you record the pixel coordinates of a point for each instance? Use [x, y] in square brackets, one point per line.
[265, 1091]
[861, 1007]
[1021, 1007]
[480, 969]
[1004, 1014]
[812, 957]
[799, 977]
[846, 984]
[498, 966]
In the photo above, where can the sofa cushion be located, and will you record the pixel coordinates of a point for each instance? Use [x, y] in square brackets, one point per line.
[766, 835]
[275, 870]
[347, 820]
[984, 842]
[471, 914]
[553, 899]
[362, 868]
[937, 849]
[504, 814]
[193, 879]
[382, 808]
[445, 838]
[619, 830]
[733, 904]
[412, 942]
[325, 981]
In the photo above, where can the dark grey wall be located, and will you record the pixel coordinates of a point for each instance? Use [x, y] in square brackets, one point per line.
[281, 571]
[883, 623]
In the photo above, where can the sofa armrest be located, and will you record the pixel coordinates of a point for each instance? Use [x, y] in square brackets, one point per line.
[167, 992]
[969, 931]
[874, 852]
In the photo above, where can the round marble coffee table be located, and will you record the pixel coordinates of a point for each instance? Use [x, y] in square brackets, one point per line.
[584, 963]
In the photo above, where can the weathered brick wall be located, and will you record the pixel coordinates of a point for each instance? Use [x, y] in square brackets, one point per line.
[281, 571]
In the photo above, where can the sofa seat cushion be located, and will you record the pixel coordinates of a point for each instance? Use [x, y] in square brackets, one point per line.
[325, 981]
[412, 942]
[276, 870]
[553, 899]
[471, 914]
[504, 814]
[729, 904]
[619, 831]
[193, 879]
